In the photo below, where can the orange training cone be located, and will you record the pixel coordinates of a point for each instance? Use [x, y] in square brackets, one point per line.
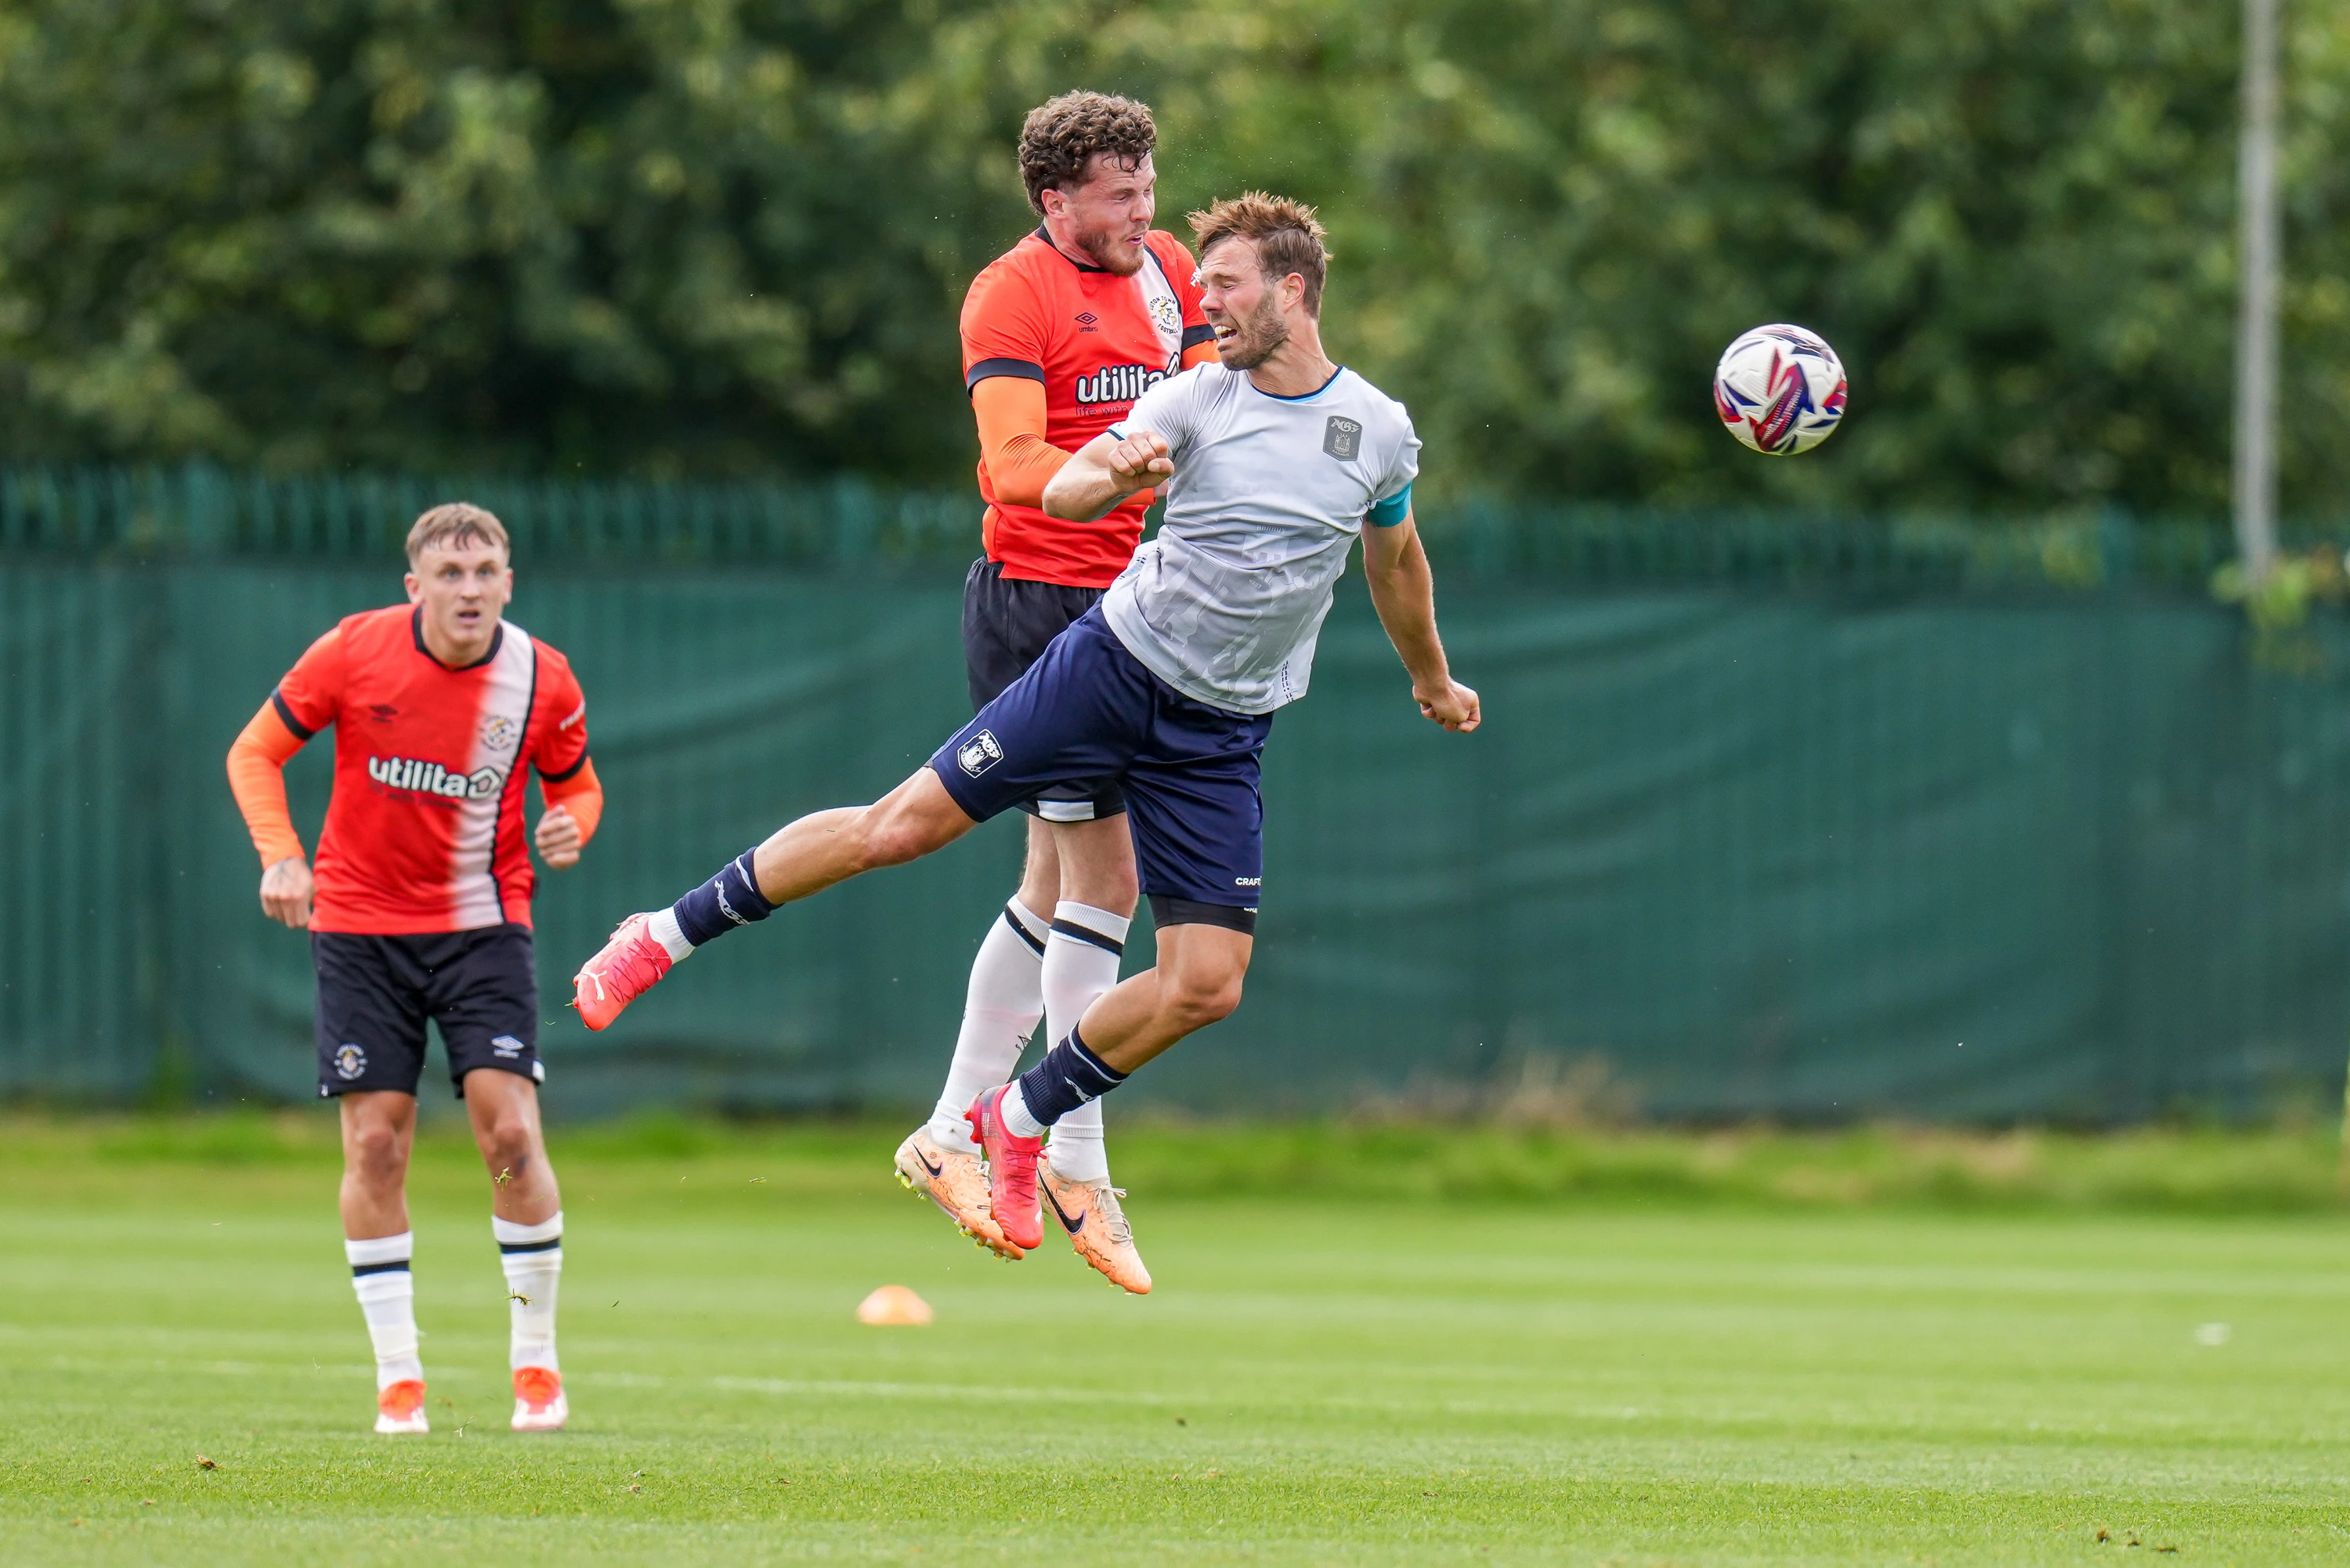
[894, 1306]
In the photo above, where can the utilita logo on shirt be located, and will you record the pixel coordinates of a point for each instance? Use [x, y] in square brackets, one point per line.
[1117, 383]
[432, 778]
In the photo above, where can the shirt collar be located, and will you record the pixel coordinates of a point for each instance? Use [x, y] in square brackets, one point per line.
[416, 630]
[1047, 238]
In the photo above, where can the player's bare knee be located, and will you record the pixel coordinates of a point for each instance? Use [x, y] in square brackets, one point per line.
[375, 1153]
[1114, 888]
[1197, 999]
[507, 1143]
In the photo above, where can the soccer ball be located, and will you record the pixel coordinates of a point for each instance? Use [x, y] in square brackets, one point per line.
[1780, 390]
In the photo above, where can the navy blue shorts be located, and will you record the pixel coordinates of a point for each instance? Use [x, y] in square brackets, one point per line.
[1087, 709]
[375, 993]
[1007, 624]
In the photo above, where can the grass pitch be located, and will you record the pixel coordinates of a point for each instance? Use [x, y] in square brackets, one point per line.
[1375, 1379]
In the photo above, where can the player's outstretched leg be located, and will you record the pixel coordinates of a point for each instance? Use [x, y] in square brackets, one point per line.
[804, 858]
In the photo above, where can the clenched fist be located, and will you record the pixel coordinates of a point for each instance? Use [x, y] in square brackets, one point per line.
[1453, 705]
[1139, 461]
[285, 891]
[558, 839]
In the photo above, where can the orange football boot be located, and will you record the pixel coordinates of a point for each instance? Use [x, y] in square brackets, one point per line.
[627, 967]
[953, 1180]
[1090, 1212]
[1010, 1171]
[539, 1404]
[399, 1408]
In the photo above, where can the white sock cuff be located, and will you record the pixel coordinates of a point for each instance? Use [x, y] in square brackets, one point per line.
[1017, 1117]
[396, 1285]
[397, 1248]
[510, 1234]
[1114, 927]
[1036, 925]
[662, 928]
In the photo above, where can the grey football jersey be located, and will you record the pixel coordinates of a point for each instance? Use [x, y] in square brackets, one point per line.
[1267, 496]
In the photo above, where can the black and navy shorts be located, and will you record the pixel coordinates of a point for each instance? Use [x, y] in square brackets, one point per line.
[375, 993]
[1088, 709]
[1007, 624]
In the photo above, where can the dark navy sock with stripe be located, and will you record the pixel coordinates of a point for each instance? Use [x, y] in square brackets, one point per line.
[729, 900]
[1069, 1076]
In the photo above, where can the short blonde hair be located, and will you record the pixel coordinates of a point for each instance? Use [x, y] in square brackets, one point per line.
[454, 525]
[1287, 237]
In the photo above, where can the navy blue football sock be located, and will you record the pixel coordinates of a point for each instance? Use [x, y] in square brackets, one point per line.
[1068, 1077]
[729, 900]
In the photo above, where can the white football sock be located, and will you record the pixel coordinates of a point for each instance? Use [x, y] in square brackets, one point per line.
[387, 1292]
[1081, 961]
[1000, 1011]
[533, 1256]
[1016, 1119]
[663, 928]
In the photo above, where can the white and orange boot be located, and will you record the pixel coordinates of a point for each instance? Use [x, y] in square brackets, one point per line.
[955, 1180]
[399, 1408]
[1010, 1171]
[631, 964]
[1095, 1223]
[539, 1404]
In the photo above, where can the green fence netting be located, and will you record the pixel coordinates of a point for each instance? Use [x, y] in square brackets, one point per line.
[1773, 818]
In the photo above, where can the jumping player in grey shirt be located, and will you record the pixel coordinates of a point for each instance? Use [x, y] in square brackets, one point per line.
[1274, 461]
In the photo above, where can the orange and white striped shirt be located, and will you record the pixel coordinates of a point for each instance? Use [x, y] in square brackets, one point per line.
[424, 831]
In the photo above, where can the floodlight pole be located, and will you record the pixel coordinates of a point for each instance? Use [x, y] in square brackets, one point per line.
[2256, 320]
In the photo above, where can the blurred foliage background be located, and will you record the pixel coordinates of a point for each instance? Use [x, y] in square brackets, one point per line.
[723, 237]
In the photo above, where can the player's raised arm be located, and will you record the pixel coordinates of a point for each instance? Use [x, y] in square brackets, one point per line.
[1403, 590]
[1105, 471]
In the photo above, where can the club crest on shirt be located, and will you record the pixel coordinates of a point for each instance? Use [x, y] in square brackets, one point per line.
[1165, 313]
[500, 733]
[349, 1063]
[1342, 438]
[979, 753]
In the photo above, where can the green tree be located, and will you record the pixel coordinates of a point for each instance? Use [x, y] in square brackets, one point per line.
[664, 236]
[542, 234]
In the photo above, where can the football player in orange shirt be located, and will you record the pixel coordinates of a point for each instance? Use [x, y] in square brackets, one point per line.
[1060, 335]
[421, 909]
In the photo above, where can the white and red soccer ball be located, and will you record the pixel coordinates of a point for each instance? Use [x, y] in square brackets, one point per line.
[1780, 390]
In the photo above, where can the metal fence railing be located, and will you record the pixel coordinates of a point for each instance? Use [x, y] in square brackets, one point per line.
[199, 510]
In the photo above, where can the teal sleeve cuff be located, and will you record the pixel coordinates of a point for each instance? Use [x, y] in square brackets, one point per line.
[1393, 510]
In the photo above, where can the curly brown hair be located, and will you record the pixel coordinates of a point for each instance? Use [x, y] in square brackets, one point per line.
[1287, 237]
[1060, 136]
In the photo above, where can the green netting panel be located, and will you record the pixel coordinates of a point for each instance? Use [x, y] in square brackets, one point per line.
[1784, 853]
